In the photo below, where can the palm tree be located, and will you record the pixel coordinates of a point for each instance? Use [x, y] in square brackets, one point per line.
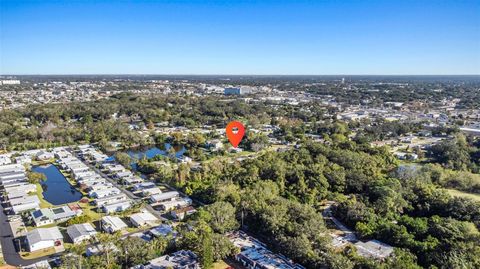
[76, 252]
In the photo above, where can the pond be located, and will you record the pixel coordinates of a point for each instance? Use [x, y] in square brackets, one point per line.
[151, 152]
[56, 189]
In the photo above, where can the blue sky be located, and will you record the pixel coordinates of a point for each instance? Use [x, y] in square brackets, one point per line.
[240, 37]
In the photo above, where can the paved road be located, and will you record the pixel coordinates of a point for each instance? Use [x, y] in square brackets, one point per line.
[10, 255]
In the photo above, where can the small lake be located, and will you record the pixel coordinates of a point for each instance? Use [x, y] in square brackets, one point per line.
[151, 152]
[56, 189]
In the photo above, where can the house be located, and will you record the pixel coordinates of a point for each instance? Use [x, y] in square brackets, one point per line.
[122, 174]
[254, 253]
[11, 168]
[38, 265]
[47, 216]
[143, 219]
[42, 238]
[183, 259]
[406, 156]
[116, 207]
[6, 179]
[104, 193]
[115, 169]
[24, 200]
[185, 159]
[151, 191]
[111, 224]
[175, 203]
[132, 180]
[162, 231]
[214, 144]
[23, 159]
[27, 188]
[5, 159]
[143, 185]
[44, 155]
[17, 209]
[110, 199]
[81, 232]
[164, 196]
[373, 249]
[99, 249]
[181, 213]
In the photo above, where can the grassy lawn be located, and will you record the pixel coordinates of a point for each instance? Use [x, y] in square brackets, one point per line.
[220, 265]
[223, 264]
[43, 202]
[90, 211]
[44, 162]
[458, 193]
[29, 228]
[38, 253]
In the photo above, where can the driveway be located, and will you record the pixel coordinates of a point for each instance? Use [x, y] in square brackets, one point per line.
[10, 255]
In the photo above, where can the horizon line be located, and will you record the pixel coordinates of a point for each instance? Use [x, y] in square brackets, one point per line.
[266, 75]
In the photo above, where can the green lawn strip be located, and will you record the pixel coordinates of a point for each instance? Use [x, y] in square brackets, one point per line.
[457, 193]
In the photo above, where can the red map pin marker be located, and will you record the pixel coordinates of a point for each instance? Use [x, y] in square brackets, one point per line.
[235, 136]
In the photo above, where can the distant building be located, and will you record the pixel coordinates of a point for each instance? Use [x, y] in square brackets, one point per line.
[9, 82]
[236, 90]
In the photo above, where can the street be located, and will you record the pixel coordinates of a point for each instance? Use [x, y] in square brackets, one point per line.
[10, 255]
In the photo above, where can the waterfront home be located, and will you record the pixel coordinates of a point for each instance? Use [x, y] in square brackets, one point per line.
[44, 155]
[47, 216]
